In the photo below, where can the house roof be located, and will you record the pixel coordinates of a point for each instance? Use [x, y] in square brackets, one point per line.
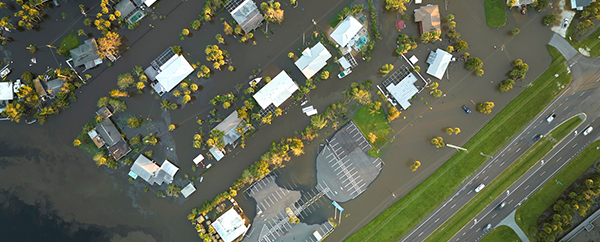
[438, 62]
[429, 18]
[55, 86]
[126, 7]
[404, 90]
[165, 173]
[104, 112]
[39, 88]
[228, 127]
[346, 30]
[580, 4]
[144, 168]
[173, 72]
[85, 54]
[230, 225]
[313, 59]
[277, 91]
[149, 3]
[98, 141]
[247, 15]
[216, 153]
[120, 149]
[6, 91]
[188, 190]
[108, 131]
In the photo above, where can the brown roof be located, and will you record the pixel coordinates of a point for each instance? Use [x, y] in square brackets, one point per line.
[39, 88]
[429, 16]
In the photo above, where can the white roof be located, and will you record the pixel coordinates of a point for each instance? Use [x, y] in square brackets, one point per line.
[188, 190]
[413, 59]
[144, 168]
[438, 62]
[229, 125]
[169, 168]
[217, 154]
[198, 159]
[277, 91]
[230, 225]
[173, 72]
[149, 2]
[344, 63]
[347, 29]
[313, 59]
[6, 91]
[404, 90]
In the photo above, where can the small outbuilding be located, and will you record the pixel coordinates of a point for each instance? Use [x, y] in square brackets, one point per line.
[188, 190]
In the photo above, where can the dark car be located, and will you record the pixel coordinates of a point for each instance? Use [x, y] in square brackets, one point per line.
[466, 109]
[538, 137]
[501, 205]
[487, 228]
[523, 9]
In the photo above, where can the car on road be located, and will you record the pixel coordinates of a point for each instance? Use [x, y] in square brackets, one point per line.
[538, 137]
[501, 205]
[551, 117]
[588, 130]
[487, 228]
[479, 188]
[464, 107]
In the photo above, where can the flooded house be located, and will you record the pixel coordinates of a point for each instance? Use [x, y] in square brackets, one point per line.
[313, 60]
[167, 71]
[151, 172]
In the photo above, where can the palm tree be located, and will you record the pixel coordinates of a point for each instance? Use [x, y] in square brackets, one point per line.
[318, 121]
[165, 105]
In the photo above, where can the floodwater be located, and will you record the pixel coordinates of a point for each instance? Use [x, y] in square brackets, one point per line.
[41, 170]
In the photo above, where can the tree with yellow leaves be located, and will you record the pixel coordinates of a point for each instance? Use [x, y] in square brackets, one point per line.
[109, 44]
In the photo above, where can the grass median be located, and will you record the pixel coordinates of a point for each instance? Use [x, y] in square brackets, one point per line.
[495, 13]
[529, 212]
[501, 234]
[503, 181]
[396, 221]
[373, 125]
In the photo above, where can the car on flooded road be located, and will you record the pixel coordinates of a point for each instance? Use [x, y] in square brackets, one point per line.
[464, 107]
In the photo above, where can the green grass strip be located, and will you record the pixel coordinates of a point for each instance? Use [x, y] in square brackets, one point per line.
[529, 212]
[501, 234]
[396, 221]
[495, 13]
[509, 176]
[373, 123]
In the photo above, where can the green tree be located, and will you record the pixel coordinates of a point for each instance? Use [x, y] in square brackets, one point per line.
[520, 69]
[150, 139]
[485, 107]
[438, 142]
[479, 72]
[584, 26]
[172, 190]
[227, 28]
[220, 39]
[436, 93]
[550, 19]
[506, 85]
[515, 31]
[450, 49]
[415, 166]
[473, 63]
[318, 121]
[324, 75]
[396, 5]
[454, 35]
[417, 68]
[434, 85]
[385, 69]
[461, 46]
[450, 17]
[125, 80]
[196, 24]
[176, 49]
[451, 24]
[135, 122]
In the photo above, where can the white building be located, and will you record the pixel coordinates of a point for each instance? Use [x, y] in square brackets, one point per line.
[404, 90]
[347, 32]
[277, 91]
[438, 62]
[188, 190]
[151, 172]
[169, 69]
[6, 94]
[230, 225]
[313, 59]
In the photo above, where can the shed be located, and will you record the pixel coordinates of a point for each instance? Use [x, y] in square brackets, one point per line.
[400, 24]
[438, 62]
[188, 190]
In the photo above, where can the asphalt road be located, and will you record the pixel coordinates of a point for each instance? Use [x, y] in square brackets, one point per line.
[582, 96]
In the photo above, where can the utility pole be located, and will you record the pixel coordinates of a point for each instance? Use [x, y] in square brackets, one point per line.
[457, 147]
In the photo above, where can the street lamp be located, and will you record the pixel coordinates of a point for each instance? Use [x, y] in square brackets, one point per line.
[488, 156]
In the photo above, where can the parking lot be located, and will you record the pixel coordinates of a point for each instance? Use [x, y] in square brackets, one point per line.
[345, 166]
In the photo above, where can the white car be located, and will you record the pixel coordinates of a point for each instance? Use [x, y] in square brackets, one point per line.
[588, 130]
[551, 117]
[487, 228]
[479, 188]
[344, 73]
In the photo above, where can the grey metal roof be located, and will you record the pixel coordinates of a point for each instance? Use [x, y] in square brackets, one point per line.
[109, 133]
[120, 149]
[247, 15]
[126, 7]
[87, 52]
[54, 86]
[104, 112]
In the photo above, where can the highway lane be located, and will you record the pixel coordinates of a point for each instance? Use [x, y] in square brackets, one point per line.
[582, 95]
[529, 183]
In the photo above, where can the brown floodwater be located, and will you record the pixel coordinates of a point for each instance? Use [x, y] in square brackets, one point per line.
[41, 167]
